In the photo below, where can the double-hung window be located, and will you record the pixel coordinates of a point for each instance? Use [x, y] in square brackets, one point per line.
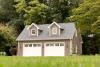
[54, 30]
[33, 32]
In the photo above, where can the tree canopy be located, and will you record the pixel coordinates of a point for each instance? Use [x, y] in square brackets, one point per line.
[31, 10]
[7, 11]
[87, 16]
[87, 19]
[43, 11]
[7, 35]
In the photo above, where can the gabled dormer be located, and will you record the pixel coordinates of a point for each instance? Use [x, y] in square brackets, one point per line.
[33, 30]
[54, 29]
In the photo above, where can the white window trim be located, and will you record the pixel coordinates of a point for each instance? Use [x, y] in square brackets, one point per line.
[71, 47]
[35, 32]
[54, 30]
[58, 31]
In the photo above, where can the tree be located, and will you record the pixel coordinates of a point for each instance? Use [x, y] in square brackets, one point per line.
[17, 24]
[87, 18]
[7, 10]
[7, 36]
[32, 10]
[44, 11]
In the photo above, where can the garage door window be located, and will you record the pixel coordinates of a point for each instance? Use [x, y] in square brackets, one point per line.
[47, 44]
[26, 45]
[55, 44]
[36, 45]
[30, 45]
[61, 44]
[51, 44]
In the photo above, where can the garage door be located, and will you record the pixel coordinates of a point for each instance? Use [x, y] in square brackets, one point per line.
[31, 49]
[54, 49]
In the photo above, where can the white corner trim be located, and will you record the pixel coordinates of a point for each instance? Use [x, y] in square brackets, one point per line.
[70, 47]
[54, 23]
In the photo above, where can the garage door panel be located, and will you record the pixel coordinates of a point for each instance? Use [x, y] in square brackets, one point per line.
[32, 50]
[55, 50]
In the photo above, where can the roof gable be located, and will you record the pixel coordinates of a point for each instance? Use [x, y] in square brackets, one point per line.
[33, 24]
[55, 24]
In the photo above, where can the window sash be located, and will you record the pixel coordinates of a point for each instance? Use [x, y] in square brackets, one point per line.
[54, 30]
[33, 32]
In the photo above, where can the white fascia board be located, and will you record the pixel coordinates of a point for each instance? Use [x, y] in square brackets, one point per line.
[54, 23]
[34, 25]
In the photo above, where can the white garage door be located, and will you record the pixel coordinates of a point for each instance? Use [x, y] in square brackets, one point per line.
[31, 49]
[54, 49]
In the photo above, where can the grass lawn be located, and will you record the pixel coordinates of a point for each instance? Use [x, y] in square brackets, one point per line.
[69, 61]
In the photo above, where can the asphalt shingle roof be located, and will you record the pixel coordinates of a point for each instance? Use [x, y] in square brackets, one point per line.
[68, 32]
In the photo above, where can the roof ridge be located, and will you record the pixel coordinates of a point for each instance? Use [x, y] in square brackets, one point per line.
[58, 23]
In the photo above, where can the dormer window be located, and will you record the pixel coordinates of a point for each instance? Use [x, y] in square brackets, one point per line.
[33, 32]
[34, 29]
[54, 30]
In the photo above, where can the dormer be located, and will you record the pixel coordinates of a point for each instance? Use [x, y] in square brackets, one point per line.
[54, 29]
[33, 30]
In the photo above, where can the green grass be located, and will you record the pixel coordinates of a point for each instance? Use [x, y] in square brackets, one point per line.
[69, 61]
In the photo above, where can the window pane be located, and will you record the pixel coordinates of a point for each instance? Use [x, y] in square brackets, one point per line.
[61, 44]
[57, 44]
[39, 45]
[34, 45]
[54, 30]
[51, 44]
[26, 45]
[33, 32]
[47, 44]
[30, 45]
